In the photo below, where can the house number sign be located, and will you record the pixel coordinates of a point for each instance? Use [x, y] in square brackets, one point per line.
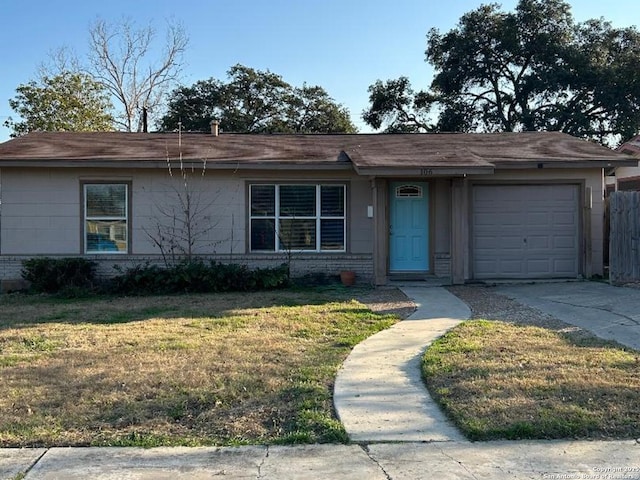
[426, 171]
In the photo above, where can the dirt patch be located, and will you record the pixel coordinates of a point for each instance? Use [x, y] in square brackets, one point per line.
[485, 303]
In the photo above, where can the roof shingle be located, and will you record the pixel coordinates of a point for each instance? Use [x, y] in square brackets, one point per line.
[366, 151]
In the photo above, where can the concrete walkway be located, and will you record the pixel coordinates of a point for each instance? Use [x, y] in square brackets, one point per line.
[379, 394]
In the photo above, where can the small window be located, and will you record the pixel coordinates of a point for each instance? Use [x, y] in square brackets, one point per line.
[106, 218]
[297, 217]
[409, 191]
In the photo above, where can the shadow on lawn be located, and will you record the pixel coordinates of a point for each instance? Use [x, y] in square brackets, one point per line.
[22, 311]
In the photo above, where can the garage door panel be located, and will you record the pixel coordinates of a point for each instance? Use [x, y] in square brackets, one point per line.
[525, 231]
[540, 219]
[538, 242]
[564, 242]
[564, 194]
[508, 266]
[487, 219]
[539, 267]
[566, 219]
[492, 242]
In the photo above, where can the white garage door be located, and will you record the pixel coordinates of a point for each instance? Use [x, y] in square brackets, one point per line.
[525, 231]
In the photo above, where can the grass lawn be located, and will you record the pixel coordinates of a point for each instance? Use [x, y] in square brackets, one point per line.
[500, 380]
[218, 369]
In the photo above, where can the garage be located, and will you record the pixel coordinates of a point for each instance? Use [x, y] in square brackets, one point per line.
[525, 231]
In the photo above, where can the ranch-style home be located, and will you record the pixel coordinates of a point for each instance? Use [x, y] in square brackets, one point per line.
[462, 207]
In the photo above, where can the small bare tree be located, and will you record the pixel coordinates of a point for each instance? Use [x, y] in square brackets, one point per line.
[183, 221]
[120, 58]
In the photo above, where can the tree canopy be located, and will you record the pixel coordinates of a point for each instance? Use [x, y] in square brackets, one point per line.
[255, 101]
[68, 101]
[530, 69]
[132, 66]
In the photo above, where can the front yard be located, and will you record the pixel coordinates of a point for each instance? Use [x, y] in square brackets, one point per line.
[218, 369]
[238, 368]
[514, 373]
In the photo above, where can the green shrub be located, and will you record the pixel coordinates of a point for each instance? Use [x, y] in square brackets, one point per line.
[67, 276]
[197, 277]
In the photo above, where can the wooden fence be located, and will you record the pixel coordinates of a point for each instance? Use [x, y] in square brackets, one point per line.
[624, 237]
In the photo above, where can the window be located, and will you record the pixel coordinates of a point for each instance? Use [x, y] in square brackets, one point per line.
[409, 191]
[106, 218]
[297, 217]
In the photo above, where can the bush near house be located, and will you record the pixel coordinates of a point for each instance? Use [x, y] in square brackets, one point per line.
[59, 275]
[198, 277]
[73, 277]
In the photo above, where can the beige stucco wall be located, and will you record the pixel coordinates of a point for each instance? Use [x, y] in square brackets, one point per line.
[219, 197]
[42, 212]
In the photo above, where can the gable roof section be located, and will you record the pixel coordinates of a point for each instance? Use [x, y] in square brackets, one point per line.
[415, 154]
[631, 147]
[368, 154]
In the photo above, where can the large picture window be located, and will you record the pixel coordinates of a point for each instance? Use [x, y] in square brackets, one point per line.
[106, 218]
[297, 217]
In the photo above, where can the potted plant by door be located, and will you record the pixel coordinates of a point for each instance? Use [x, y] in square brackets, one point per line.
[348, 277]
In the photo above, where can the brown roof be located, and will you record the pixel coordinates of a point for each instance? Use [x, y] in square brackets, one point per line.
[160, 146]
[631, 147]
[367, 152]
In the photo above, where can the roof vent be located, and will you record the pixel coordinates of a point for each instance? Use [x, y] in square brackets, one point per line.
[215, 128]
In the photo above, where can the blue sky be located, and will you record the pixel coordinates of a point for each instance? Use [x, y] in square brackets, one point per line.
[341, 45]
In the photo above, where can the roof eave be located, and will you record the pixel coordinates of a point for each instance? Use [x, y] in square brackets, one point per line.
[160, 164]
[546, 163]
[426, 171]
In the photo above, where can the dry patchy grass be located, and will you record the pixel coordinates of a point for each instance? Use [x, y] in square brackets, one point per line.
[507, 380]
[183, 370]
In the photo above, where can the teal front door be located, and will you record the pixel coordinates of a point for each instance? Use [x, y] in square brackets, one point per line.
[409, 227]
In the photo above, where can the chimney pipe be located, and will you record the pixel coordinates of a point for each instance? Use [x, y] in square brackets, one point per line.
[144, 120]
[215, 128]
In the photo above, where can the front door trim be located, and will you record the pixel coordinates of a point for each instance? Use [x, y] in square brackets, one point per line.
[409, 236]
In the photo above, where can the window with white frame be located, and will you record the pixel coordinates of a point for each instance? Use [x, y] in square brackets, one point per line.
[106, 217]
[297, 217]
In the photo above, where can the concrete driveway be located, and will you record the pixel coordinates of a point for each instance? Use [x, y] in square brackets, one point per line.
[610, 312]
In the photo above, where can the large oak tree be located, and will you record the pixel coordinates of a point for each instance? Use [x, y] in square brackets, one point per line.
[530, 69]
[255, 101]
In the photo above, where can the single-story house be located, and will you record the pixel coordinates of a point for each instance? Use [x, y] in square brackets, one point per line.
[628, 178]
[463, 207]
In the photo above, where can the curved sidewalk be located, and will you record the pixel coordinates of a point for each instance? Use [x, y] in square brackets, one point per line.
[379, 395]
